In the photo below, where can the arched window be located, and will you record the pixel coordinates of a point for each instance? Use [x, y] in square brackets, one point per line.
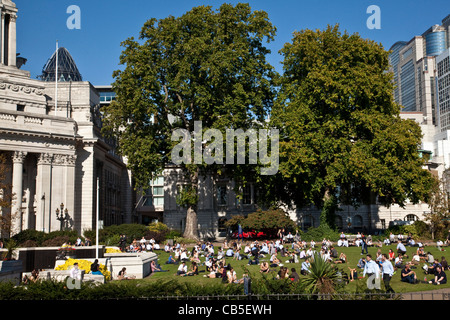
[411, 217]
[308, 222]
[221, 225]
[357, 222]
[338, 222]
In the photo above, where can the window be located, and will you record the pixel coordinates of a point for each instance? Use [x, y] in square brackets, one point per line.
[221, 225]
[357, 222]
[20, 107]
[221, 195]
[247, 195]
[308, 222]
[338, 222]
[411, 217]
[154, 196]
[107, 96]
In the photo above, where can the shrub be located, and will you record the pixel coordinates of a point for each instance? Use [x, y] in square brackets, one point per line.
[30, 235]
[322, 231]
[56, 242]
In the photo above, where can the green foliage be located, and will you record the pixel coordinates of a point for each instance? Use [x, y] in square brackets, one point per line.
[234, 221]
[341, 130]
[323, 277]
[262, 220]
[206, 66]
[55, 238]
[268, 219]
[131, 230]
[187, 197]
[158, 227]
[319, 233]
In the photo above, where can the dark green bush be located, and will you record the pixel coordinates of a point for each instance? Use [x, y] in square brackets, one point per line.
[317, 234]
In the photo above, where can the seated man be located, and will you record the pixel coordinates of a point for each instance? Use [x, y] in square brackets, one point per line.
[407, 275]
[401, 249]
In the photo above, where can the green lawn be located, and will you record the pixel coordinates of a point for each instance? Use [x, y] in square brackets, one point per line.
[353, 255]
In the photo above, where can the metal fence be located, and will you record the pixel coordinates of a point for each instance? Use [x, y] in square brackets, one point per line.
[431, 295]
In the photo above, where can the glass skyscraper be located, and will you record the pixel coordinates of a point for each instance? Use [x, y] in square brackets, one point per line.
[435, 42]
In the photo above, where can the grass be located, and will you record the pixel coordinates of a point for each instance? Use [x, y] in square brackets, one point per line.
[353, 255]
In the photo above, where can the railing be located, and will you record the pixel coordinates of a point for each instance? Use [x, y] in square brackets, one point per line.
[431, 295]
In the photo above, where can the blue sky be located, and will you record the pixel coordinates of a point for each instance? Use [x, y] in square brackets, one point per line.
[106, 23]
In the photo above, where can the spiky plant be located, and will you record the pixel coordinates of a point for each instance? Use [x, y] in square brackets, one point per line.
[323, 278]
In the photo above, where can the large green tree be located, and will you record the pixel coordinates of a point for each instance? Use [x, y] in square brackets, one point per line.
[206, 65]
[341, 135]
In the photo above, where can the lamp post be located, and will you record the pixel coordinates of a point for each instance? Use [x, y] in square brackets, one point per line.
[62, 215]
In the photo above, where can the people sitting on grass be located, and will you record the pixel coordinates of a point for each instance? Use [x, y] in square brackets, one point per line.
[274, 261]
[264, 267]
[182, 269]
[444, 263]
[401, 248]
[283, 273]
[342, 258]
[306, 265]
[439, 276]
[407, 275]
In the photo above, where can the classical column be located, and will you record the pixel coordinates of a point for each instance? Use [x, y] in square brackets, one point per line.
[69, 167]
[12, 56]
[43, 191]
[3, 38]
[63, 191]
[17, 189]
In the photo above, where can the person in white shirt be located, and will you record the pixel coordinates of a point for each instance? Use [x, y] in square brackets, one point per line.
[303, 254]
[75, 272]
[182, 269]
[183, 256]
[371, 268]
[439, 245]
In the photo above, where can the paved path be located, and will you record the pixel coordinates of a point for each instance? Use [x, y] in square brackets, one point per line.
[439, 294]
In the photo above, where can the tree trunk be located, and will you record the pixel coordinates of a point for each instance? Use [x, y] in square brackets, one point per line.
[191, 229]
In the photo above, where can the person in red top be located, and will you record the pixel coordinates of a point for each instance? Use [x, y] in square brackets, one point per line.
[391, 254]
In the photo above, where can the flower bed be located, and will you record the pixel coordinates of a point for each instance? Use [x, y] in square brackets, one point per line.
[84, 265]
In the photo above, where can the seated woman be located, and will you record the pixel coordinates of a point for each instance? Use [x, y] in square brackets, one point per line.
[212, 272]
[155, 267]
[193, 271]
[353, 273]
[342, 258]
[95, 268]
[264, 267]
[275, 262]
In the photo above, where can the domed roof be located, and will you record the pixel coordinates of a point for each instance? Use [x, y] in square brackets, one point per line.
[67, 69]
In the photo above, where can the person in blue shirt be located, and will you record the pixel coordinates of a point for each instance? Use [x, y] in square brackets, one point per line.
[388, 272]
[305, 267]
[401, 249]
[371, 267]
[364, 245]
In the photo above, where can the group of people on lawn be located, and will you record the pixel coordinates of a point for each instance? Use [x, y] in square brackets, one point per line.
[384, 265]
[275, 253]
[387, 265]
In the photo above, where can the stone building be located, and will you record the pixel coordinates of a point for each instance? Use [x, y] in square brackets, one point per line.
[50, 133]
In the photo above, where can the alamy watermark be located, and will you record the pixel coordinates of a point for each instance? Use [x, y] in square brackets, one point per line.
[374, 21]
[208, 147]
[74, 20]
